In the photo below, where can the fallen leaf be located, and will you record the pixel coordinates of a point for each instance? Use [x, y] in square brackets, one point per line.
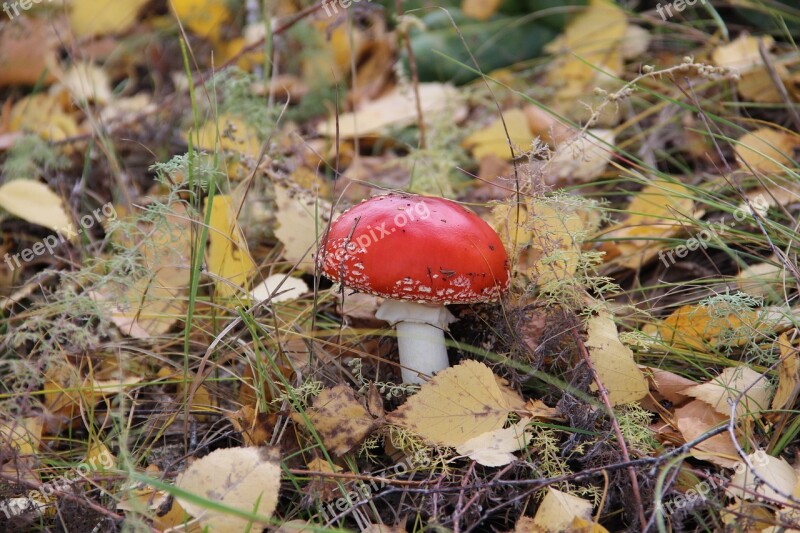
[699, 326]
[339, 418]
[28, 52]
[301, 221]
[788, 374]
[496, 448]
[556, 229]
[102, 17]
[766, 150]
[228, 257]
[285, 288]
[742, 53]
[480, 9]
[591, 56]
[34, 202]
[86, 82]
[206, 18]
[44, 114]
[746, 483]
[558, 509]
[697, 418]
[459, 403]
[635, 42]
[250, 483]
[613, 362]
[658, 211]
[581, 158]
[492, 139]
[22, 436]
[762, 279]
[720, 392]
[397, 108]
[669, 385]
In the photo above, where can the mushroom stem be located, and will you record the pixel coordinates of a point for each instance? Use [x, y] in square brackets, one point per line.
[420, 336]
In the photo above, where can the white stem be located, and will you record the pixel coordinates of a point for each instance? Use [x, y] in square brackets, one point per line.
[420, 336]
[422, 350]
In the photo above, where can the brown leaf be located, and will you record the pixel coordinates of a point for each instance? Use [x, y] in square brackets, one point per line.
[697, 418]
[339, 418]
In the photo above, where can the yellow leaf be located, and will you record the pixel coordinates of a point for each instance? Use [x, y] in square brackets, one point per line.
[34, 202]
[496, 448]
[45, 115]
[583, 158]
[558, 509]
[146, 309]
[613, 362]
[721, 392]
[555, 249]
[102, 17]
[746, 483]
[493, 140]
[697, 326]
[741, 54]
[766, 150]
[459, 403]
[339, 418]
[788, 373]
[206, 18]
[658, 211]
[480, 9]
[398, 108]
[22, 436]
[285, 288]
[301, 221]
[236, 138]
[591, 56]
[228, 257]
[247, 479]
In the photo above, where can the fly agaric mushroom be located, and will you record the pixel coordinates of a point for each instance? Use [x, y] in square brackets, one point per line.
[420, 253]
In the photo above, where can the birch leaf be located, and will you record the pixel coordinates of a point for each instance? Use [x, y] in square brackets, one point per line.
[34, 202]
[614, 363]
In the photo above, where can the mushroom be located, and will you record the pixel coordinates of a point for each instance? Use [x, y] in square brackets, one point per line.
[420, 253]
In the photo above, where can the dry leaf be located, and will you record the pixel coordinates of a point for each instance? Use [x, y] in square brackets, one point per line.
[86, 82]
[697, 326]
[34, 202]
[555, 248]
[44, 114]
[766, 150]
[721, 391]
[480, 9]
[746, 483]
[250, 481]
[635, 42]
[206, 18]
[102, 17]
[591, 48]
[339, 418]
[669, 385]
[27, 52]
[496, 448]
[300, 224]
[658, 211]
[492, 140]
[22, 436]
[558, 509]
[398, 109]
[613, 362]
[697, 418]
[762, 279]
[285, 288]
[235, 137]
[459, 403]
[788, 373]
[228, 257]
[741, 54]
[582, 158]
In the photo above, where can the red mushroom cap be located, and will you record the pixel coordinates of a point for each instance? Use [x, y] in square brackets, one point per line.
[420, 248]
